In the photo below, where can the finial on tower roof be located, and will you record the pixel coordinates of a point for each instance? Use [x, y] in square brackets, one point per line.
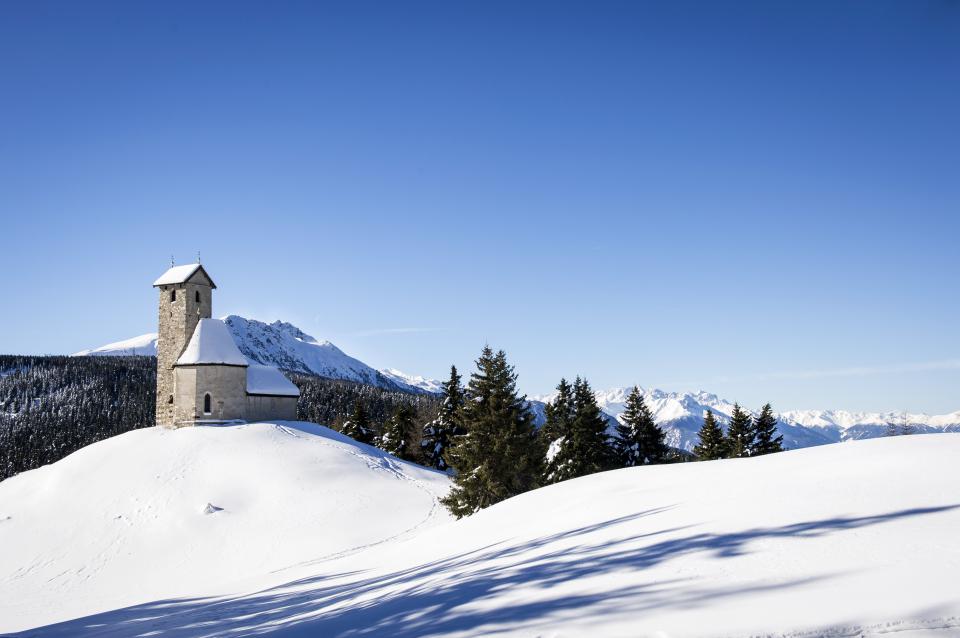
[198, 256]
[171, 261]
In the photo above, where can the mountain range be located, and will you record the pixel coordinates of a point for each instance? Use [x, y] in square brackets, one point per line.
[287, 347]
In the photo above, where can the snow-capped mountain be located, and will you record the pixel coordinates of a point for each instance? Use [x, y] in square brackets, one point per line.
[681, 414]
[144, 345]
[432, 386]
[285, 346]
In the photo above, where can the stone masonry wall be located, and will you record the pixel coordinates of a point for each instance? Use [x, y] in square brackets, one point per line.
[177, 320]
[227, 386]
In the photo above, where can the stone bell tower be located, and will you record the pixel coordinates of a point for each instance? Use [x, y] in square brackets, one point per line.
[186, 297]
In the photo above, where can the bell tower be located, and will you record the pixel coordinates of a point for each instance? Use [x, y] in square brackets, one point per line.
[186, 297]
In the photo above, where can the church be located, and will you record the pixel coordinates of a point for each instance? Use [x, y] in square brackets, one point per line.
[202, 377]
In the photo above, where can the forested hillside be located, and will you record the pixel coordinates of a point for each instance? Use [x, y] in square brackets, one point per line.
[52, 406]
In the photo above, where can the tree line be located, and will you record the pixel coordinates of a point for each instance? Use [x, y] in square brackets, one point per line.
[484, 435]
[746, 435]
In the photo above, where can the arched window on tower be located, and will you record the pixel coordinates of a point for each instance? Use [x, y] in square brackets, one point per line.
[197, 296]
[173, 295]
[206, 403]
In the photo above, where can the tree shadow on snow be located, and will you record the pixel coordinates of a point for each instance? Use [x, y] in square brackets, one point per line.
[443, 595]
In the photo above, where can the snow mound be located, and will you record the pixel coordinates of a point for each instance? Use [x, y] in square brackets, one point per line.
[839, 540]
[126, 520]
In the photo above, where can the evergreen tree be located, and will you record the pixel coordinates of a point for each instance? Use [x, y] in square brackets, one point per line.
[500, 454]
[712, 445]
[585, 449]
[439, 434]
[766, 440]
[396, 433]
[558, 413]
[639, 440]
[358, 427]
[739, 433]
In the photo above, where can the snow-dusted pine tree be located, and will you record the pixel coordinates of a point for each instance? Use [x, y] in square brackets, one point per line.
[396, 432]
[639, 440]
[559, 415]
[765, 437]
[357, 427]
[440, 434]
[500, 454]
[585, 449]
[739, 433]
[712, 444]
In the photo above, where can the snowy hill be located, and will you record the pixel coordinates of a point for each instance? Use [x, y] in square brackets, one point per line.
[838, 540]
[157, 513]
[283, 345]
[681, 415]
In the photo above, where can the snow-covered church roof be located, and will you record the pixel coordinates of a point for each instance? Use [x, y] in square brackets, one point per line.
[269, 380]
[212, 343]
[181, 274]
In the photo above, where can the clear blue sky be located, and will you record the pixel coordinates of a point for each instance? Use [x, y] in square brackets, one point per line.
[758, 199]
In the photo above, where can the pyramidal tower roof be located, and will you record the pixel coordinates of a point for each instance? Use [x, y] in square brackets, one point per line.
[212, 343]
[181, 274]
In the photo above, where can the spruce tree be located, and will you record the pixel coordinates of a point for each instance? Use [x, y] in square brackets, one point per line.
[766, 440]
[396, 433]
[500, 454]
[358, 425]
[625, 447]
[558, 413]
[712, 444]
[440, 434]
[639, 440]
[739, 433]
[585, 449]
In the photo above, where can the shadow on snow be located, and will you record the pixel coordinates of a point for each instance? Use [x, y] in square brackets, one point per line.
[442, 596]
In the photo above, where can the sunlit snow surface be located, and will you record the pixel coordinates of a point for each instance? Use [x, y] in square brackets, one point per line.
[320, 537]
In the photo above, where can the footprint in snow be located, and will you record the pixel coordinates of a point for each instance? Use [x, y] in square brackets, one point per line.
[212, 509]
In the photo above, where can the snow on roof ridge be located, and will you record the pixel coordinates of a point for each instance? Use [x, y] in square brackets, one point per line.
[212, 343]
[180, 274]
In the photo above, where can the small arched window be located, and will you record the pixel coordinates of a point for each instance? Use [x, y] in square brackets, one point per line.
[206, 403]
[173, 295]
[197, 296]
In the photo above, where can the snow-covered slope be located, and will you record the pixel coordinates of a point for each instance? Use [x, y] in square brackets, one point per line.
[681, 415]
[855, 539]
[156, 513]
[144, 345]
